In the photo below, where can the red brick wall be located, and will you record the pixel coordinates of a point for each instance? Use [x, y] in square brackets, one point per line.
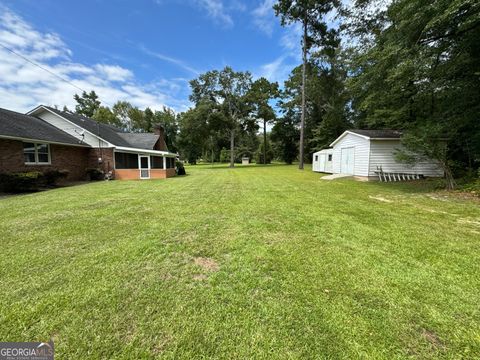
[106, 154]
[160, 144]
[71, 158]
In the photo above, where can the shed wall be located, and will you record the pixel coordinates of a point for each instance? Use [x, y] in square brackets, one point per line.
[361, 154]
[382, 153]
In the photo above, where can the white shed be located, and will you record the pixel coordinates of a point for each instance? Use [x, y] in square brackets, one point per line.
[363, 152]
[322, 161]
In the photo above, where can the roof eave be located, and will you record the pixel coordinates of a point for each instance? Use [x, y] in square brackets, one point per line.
[145, 151]
[346, 132]
[43, 141]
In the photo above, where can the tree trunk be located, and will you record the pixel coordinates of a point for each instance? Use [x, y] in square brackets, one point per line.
[264, 142]
[304, 69]
[449, 180]
[232, 146]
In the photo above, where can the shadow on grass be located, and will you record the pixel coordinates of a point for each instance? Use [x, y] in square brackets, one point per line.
[218, 166]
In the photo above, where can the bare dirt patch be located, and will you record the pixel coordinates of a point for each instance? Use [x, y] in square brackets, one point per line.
[433, 339]
[207, 264]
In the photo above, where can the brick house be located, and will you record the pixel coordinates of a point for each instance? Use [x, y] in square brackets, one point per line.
[49, 139]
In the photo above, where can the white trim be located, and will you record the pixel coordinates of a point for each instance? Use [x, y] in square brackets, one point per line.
[41, 141]
[346, 132]
[36, 154]
[144, 151]
[366, 137]
[148, 168]
[70, 122]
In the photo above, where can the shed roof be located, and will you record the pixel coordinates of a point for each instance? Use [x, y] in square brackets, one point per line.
[17, 125]
[379, 134]
[385, 134]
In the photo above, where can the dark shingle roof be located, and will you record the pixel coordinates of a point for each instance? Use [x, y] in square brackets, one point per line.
[110, 133]
[14, 124]
[106, 132]
[379, 134]
[140, 140]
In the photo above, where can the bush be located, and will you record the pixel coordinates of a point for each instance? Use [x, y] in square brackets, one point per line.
[95, 174]
[259, 154]
[180, 168]
[224, 155]
[52, 176]
[21, 182]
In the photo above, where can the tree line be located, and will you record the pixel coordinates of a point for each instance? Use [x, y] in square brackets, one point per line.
[410, 65]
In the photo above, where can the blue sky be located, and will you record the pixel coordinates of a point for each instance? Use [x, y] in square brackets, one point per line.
[142, 51]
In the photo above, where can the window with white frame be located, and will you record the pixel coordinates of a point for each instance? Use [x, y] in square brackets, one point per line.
[34, 153]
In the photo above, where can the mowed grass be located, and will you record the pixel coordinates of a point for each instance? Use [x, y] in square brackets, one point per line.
[252, 262]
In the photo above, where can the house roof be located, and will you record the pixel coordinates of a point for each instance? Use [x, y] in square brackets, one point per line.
[140, 140]
[379, 134]
[110, 133]
[17, 125]
[104, 131]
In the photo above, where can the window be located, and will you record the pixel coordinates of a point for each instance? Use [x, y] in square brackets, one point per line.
[170, 163]
[329, 157]
[36, 153]
[156, 162]
[316, 157]
[126, 161]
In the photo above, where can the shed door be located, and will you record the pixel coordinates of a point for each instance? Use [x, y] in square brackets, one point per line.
[322, 163]
[347, 160]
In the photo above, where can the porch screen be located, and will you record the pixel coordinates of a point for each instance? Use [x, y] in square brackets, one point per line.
[126, 161]
[156, 162]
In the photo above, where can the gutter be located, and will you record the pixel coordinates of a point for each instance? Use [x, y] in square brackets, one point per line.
[145, 151]
[43, 141]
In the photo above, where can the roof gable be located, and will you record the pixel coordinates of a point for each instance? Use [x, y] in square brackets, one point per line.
[371, 134]
[17, 125]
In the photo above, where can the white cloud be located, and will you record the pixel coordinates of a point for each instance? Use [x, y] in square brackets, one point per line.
[264, 16]
[280, 68]
[24, 85]
[217, 11]
[169, 59]
[114, 72]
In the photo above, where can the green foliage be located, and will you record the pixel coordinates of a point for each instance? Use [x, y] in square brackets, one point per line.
[180, 168]
[284, 137]
[169, 121]
[30, 181]
[87, 103]
[95, 174]
[420, 71]
[259, 155]
[104, 115]
[21, 182]
[224, 155]
[51, 177]
[226, 92]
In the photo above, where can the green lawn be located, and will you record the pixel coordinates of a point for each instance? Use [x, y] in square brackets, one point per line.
[253, 262]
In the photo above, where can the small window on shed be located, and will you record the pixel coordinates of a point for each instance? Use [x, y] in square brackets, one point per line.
[316, 157]
[329, 157]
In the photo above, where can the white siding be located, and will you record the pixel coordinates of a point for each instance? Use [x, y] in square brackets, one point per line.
[316, 164]
[71, 129]
[382, 153]
[361, 153]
